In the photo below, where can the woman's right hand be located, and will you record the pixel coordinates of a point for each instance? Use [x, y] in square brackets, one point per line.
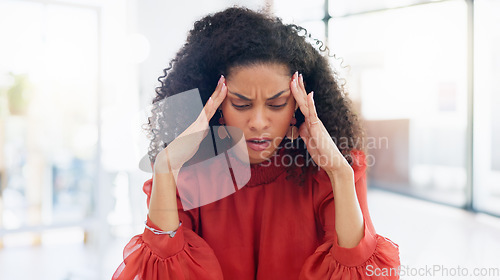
[185, 146]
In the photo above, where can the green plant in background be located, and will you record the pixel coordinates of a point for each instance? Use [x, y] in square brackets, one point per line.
[18, 94]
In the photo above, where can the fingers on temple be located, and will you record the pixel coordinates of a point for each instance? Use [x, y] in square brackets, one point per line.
[220, 92]
[313, 116]
[301, 83]
[217, 98]
[299, 94]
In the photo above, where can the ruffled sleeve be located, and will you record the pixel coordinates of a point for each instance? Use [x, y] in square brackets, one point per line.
[185, 256]
[375, 257]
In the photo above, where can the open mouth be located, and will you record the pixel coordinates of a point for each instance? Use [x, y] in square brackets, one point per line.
[258, 144]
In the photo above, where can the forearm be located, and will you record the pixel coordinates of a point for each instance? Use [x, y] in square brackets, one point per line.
[348, 215]
[163, 203]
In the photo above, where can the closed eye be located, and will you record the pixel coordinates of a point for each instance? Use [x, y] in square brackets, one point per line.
[279, 106]
[241, 107]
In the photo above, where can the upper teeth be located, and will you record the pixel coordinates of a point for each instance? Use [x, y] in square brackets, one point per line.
[259, 141]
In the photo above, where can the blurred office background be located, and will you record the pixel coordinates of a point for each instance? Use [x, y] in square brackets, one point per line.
[77, 78]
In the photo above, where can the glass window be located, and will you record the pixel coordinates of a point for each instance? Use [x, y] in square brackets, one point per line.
[341, 8]
[486, 103]
[48, 125]
[406, 72]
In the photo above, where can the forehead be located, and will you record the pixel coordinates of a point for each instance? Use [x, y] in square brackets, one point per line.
[263, 79]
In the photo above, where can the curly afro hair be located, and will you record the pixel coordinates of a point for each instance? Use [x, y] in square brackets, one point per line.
[238, 37]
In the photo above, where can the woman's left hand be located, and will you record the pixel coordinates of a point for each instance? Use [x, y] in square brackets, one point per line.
[318, 141]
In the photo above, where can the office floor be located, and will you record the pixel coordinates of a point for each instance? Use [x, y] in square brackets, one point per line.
[436, 240]
[429, 235]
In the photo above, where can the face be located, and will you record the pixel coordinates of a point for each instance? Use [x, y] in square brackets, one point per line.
[260, 103]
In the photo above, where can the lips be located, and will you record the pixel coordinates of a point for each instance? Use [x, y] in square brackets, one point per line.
[259, 139]
[258, 144]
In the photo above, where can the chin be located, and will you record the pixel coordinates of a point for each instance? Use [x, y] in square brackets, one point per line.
[259, 157]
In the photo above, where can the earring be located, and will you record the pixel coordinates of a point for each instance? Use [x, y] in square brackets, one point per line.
[222, 130]
[293, 131]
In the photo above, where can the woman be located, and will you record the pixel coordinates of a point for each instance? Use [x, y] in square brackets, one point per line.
[304, 218]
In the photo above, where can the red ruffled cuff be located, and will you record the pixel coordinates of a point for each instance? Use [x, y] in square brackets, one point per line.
[356, 255]
[158, 256]
[162, 244]
[373, 253]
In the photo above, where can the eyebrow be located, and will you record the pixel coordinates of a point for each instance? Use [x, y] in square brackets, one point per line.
[270, 98]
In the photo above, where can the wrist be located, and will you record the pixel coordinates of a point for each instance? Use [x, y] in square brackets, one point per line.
[171, 233]
[165, 180]
[342, 178]
[345, 171]
[163, 165]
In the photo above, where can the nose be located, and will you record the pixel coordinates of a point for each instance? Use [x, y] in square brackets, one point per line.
[259, 120]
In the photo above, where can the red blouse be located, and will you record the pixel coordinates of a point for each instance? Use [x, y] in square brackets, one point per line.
[273, 228]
